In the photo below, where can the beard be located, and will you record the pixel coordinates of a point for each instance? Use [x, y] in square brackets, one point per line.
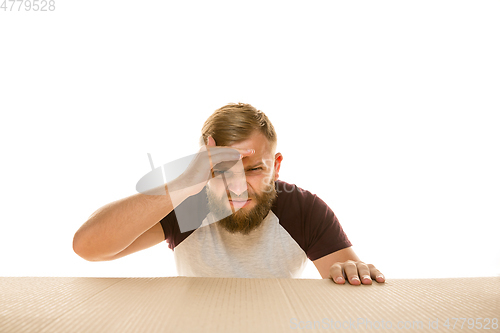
[244, 220]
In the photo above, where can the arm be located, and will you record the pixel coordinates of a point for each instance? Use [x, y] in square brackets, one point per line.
[132, 224]
[345, 261]
[125, 226]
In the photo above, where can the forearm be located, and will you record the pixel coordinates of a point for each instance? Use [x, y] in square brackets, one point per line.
[115, 226]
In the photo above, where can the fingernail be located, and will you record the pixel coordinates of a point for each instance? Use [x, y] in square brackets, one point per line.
[339, 280]
[365, 277]
[380, 276]
[355, 278]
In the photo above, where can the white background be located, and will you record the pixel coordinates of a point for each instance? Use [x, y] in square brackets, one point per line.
[387, 110]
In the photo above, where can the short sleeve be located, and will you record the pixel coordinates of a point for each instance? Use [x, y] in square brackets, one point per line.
[168, 224]
[309, 220]
[323, 232]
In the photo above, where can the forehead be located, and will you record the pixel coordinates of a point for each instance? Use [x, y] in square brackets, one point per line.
[258, 142]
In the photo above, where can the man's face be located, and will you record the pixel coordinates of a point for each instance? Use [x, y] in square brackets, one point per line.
[251, 193]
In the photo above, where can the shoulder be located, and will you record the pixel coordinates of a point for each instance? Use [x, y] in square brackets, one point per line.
[296, 207]
[287, 191]
[309, 220]
[291, 197]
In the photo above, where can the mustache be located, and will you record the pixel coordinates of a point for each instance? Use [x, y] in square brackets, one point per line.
[249, 194]
[244, 195]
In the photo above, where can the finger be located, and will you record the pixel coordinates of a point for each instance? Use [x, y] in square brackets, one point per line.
[336, 273]
[246, 152]
[364, 273]
[242, 151]
[223, 159]
[210, 157]
[376, 274]
[222, 154]
[351, 272]
[211, 143]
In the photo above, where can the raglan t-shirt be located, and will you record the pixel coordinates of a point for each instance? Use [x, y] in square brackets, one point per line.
[299, 226]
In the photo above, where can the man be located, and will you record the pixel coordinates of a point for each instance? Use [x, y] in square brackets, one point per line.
[247, 222]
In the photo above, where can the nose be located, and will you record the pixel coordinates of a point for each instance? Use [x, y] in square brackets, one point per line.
[237, 183]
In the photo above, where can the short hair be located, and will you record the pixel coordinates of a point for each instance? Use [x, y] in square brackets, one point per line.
[233, 123]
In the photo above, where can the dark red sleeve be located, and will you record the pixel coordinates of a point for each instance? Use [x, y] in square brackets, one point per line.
[309, 220]
[168, 224]
[324, 234]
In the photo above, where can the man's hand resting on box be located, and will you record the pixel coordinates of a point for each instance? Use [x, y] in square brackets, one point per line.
[344, 264]
[356, 272]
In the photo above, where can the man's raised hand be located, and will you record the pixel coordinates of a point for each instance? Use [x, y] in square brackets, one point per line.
[199, 171]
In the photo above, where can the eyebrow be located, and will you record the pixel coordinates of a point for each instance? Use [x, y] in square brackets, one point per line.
[221, 166]
[254, 166]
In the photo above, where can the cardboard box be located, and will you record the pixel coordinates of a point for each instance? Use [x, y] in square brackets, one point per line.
[182, 304]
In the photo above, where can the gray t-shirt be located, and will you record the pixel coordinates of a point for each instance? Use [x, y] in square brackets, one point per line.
[299, 226]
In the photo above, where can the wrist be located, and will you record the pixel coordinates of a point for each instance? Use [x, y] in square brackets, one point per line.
[177, 191]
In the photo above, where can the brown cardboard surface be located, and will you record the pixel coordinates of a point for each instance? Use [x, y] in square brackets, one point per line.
[182, 304]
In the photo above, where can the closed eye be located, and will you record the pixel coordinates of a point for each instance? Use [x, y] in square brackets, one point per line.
[220, 172]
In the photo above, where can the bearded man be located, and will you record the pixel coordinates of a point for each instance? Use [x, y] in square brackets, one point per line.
[229, 215]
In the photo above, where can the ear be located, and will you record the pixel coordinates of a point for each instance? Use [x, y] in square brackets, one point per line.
[277, 164]
[211, 141]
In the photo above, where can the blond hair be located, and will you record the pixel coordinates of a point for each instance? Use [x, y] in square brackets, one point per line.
[233, 123]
